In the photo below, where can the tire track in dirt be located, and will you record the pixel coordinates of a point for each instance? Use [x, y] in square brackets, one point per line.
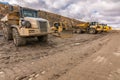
[103, 65]
[12, 55]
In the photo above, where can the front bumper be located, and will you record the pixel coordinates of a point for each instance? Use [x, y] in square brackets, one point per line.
[26, 32]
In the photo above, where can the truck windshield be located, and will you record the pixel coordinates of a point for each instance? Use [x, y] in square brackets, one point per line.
[29, 13]
[93, 23]
[104, 24]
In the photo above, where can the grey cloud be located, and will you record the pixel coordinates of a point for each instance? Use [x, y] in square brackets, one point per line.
[106, 11]
[112, 0]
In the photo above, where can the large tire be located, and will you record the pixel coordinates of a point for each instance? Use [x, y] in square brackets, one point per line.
[18, 40]
[43, 38]
[92, 31]
[7, 33]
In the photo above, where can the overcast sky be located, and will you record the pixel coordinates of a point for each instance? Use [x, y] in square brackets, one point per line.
[104, 11]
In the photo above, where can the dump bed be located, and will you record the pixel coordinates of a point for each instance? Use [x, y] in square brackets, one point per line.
[12, 18]
[82, 25]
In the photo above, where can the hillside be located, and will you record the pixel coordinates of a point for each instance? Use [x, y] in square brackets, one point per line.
[58, 18]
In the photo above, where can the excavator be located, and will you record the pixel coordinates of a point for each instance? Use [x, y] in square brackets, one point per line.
[61, 29]
[57, 27]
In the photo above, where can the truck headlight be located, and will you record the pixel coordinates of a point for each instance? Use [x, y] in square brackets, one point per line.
[26, 24]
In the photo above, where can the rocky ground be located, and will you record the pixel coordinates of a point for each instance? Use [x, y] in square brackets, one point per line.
[80, 57]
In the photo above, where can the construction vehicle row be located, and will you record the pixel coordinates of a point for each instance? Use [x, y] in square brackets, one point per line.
[88, 27]
[22, 23]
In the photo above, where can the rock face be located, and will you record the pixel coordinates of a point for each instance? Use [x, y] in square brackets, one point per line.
[4, 9]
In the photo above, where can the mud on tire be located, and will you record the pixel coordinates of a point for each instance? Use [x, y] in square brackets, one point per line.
[7, 33]
[18, 40]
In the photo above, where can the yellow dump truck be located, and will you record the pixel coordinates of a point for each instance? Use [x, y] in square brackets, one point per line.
[21, 23]
[89, 27]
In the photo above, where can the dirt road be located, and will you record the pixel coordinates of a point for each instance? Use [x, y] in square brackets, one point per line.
[103, 65]
[82, 57]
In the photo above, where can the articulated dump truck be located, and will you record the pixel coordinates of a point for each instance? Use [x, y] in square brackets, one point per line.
[89, 27]
[21, 23]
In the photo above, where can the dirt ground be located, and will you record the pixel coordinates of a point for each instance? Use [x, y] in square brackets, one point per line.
[81, 57]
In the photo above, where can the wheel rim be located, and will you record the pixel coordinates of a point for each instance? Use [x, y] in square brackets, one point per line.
[92, 31]
[78, 31]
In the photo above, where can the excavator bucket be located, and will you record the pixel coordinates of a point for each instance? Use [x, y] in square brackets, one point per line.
[66, 34]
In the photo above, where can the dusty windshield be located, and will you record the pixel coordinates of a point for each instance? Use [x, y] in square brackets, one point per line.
[93, 23]
[29, 13]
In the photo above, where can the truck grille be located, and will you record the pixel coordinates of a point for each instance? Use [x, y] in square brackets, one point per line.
[43, 26]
